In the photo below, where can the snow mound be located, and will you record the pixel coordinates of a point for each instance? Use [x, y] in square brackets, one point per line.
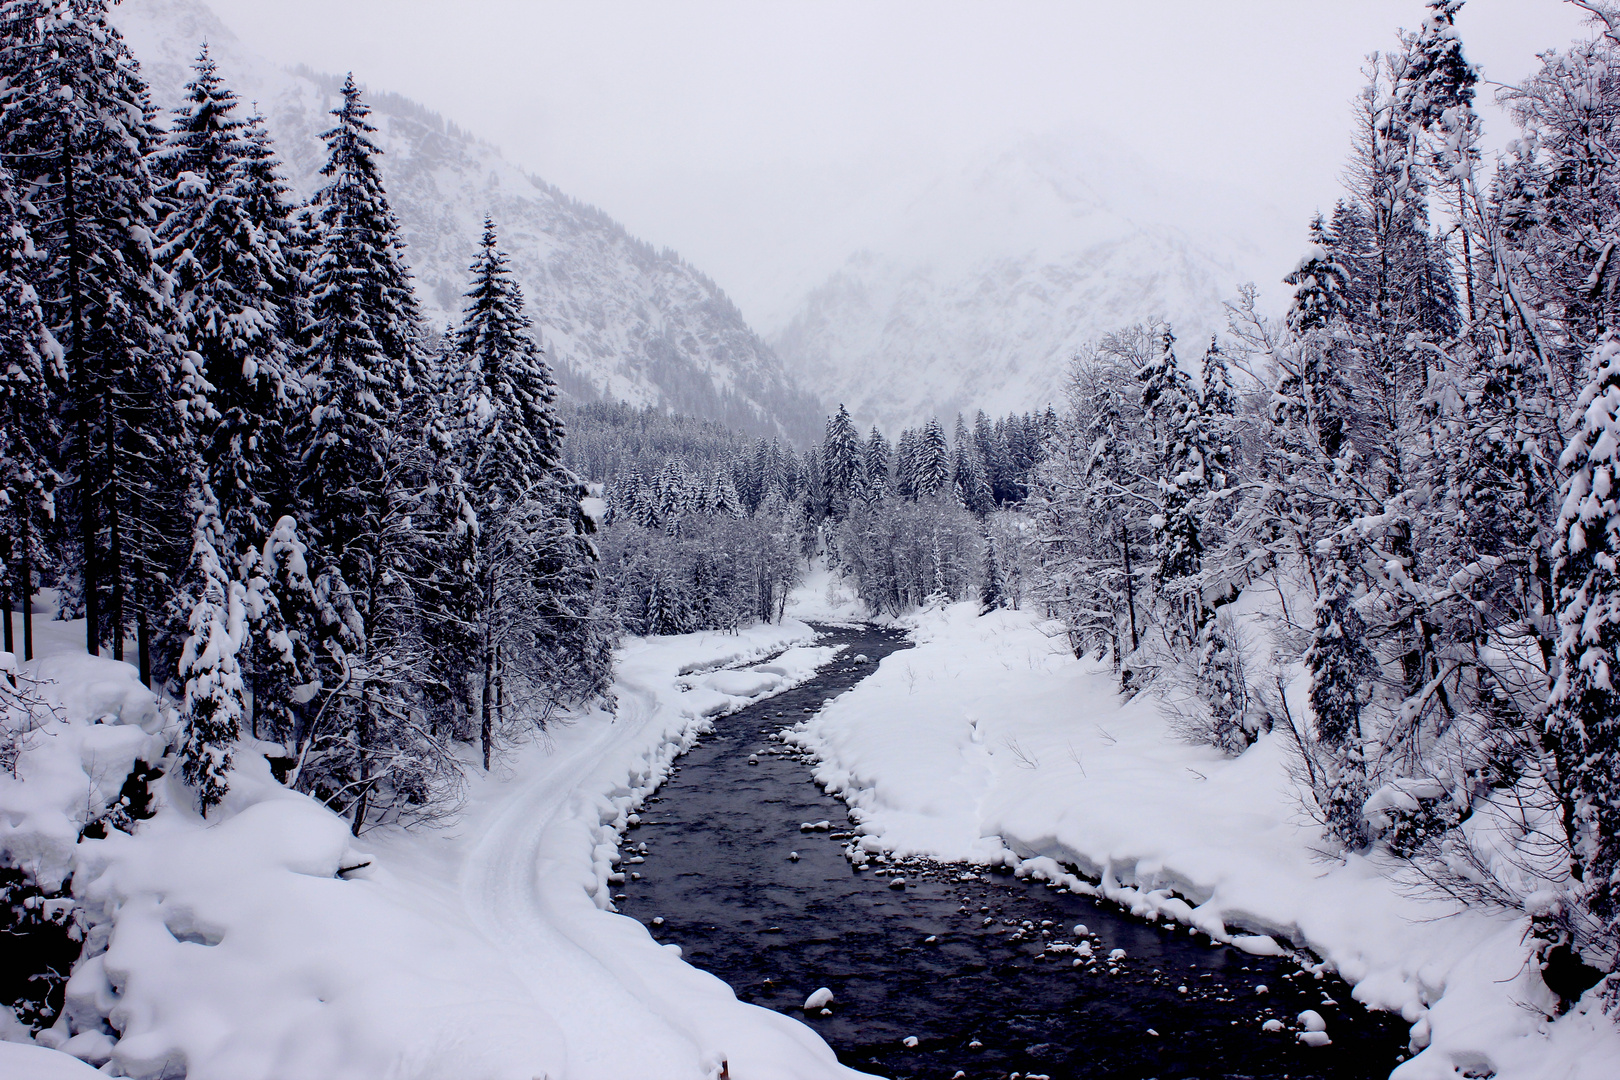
[743, 684]
[25, 1062]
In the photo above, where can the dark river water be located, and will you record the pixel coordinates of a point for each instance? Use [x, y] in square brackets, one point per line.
[965, 968]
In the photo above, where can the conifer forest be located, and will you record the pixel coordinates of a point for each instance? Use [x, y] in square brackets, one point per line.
[415, 585]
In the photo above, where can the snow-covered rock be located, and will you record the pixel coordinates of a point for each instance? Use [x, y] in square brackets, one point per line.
[819, 999]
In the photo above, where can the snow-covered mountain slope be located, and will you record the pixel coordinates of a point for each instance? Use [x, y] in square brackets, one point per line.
[974, 290]
[618, 318]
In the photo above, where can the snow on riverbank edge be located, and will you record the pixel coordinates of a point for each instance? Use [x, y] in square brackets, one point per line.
[266, 942]
[989, 743]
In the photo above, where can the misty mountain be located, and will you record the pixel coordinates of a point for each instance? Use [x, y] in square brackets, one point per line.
[975, 289]
[619, 318]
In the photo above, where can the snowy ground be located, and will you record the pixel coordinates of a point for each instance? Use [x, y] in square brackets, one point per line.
[266, 942]
[824, 596]
[989, 742]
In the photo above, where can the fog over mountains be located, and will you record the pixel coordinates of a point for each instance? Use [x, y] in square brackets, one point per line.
[945, 292]
[618, 317]
[973, 290]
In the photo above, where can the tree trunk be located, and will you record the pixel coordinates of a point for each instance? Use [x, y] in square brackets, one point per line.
[115, 540]
[76, 363]
[143, 599]
[143, 642]
[25, 584]
[9, 645]
[486, 731]
[1468, 254]
[1130, 585]
[500, 687]
[363, 737]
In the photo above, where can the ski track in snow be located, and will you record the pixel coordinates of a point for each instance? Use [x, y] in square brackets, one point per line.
[504, 887]
[621, 1004]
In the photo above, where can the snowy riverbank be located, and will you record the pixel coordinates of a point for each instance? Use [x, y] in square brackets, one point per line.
[266, 942]
[989, 742]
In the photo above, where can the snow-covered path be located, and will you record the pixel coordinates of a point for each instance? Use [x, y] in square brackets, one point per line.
[613, 1002]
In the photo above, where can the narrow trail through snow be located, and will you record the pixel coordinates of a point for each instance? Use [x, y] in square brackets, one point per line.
[505, 884]
[936, 969]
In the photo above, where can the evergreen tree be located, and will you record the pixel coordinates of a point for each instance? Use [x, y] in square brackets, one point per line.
[360, 466]
[236, 298]
[1321, 283]
[843, 463]
[992, 451]
[364, 322]
[532, 567]
[287, 631]
[877, 465]
[213, 601]
[1583, 721]
[968, 472]
[905, 465]
[993, 594]
[1218, 406]
[1168, 395]
[498, 335]
[1341, 668]
[931, 460]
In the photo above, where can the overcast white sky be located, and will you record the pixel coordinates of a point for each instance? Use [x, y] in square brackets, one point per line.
[729, 130]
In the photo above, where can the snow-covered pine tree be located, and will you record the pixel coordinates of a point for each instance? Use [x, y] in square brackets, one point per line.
[1342, 668]
[77, 134]
[446, 560]
[28, 426]
[877, 465]
[214, 602]
[1223, 685]
[757, 476]
[992, 450]
[931, 455]
[364, 322]
[1169, 396]
[723, 496]
[534, 568]
[843, 464]
[1321, 283]
[497, 333]
[1112, 470]
[223, 242]
[905, 465]
[669, 494]
[285, 638]
[662, 612]
[643, 502]
[1583, 719]
[968, 472]
[361, 470]
[993, 593]
[237, 300]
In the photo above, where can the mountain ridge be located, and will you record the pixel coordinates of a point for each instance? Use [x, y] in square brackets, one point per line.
[620, 318]
[981, 285]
